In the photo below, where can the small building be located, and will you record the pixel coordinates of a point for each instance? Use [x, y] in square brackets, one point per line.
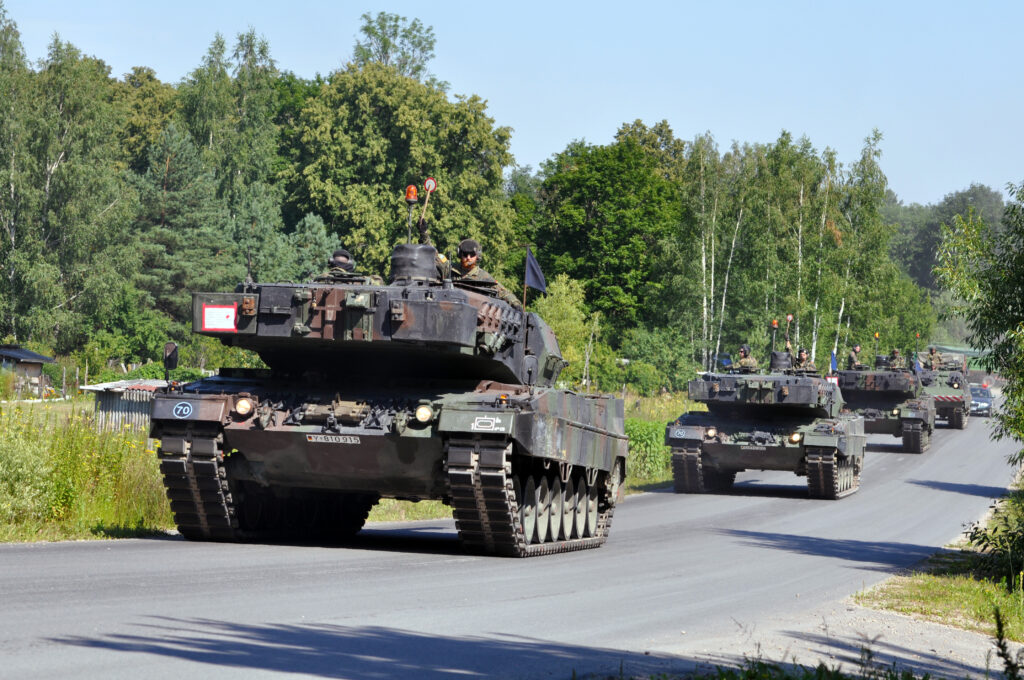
[27, 366]
[124, 403]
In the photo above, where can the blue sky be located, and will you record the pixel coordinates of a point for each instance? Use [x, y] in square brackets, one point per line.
[941, 80]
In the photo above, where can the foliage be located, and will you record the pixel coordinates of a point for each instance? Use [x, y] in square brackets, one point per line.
[369, 133]
[60, 478]
[985, 270]
[392, 40]
[648, 455]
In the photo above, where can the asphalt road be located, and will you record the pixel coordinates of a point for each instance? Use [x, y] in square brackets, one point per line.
[680, 577]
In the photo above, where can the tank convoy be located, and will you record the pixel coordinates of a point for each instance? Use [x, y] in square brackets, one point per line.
[420, 388]
[947, 384]
[785, 420]
[892, 401]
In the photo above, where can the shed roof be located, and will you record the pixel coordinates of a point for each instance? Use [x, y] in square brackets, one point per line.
[22, 355]
[124, 385]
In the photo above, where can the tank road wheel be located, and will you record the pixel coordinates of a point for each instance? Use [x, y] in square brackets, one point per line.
[568, 509]
[502, 506]
[543, 508]
[590, 530]
[830, 476]
[580, 519]
[528, 510]
[557, 509]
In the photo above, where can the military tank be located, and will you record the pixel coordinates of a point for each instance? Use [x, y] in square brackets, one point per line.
[417, 389]
[947, 383]
[892, 401]
[786, 420]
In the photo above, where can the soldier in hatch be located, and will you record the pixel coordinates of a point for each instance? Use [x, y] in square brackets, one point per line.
[467, 269]
[341, 269]
[801, 362]
[932, 360]
[746, 362]
[896, 359]
[853, 358]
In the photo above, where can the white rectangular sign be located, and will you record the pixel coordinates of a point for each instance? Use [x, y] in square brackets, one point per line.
[220, 318]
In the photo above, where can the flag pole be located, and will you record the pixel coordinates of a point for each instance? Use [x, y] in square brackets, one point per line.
[526, 263]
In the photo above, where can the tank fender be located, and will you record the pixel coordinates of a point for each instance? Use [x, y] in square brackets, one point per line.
[191, 408]
[683, 435]
[476, 421]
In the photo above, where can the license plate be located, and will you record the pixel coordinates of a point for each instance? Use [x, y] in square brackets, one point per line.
[332, 439]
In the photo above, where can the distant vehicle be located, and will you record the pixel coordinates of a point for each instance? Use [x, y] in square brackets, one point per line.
[981, 400]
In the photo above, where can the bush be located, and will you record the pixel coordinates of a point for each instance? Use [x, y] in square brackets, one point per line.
[23, 473]
[648, 455]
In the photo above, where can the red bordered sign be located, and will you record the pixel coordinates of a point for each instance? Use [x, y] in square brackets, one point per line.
[222, 318]
[834, 379]
[430, 185]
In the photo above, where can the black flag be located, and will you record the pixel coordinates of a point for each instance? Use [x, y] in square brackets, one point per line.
[534, 276]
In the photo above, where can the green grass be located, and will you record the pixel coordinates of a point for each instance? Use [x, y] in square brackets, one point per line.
[60, 479]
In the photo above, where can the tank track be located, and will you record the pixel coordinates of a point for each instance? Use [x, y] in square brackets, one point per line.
[916, 438]
[209, 507]
[830, 476]
[689, 476]
[958, 419]
[192, 465]
[486, 508]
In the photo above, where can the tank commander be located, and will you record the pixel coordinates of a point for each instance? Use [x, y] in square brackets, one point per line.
[932, 360]
[802, 362]
[746, 361]
[341, 268]
[853, 359]
[467, 268]
[896, 359]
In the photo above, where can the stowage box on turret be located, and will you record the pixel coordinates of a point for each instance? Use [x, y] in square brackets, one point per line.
[786, 420]
[419, 389]
[892, 401]
[947, 384]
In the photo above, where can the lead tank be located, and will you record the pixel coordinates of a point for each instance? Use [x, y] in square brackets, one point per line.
[786, 420]
[419, 389]
[892, 401]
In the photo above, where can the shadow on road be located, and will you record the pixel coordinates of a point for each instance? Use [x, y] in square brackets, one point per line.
[886, 556]
[371, 653]
[966, 489]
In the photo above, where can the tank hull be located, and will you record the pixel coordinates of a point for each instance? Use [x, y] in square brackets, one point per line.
[355, 441]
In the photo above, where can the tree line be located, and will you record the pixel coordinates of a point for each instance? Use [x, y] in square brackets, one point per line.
[122, 195]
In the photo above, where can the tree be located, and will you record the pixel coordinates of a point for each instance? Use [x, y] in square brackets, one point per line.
[146, 106]
[391, 40]
[984, 268]
[607, 209]
[368, 133]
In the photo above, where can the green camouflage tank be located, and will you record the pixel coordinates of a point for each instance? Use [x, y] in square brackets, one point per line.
[786, 420]
[419, 389]
[892, 401]
[949, 387]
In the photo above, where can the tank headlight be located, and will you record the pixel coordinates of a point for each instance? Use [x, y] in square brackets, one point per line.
[243, 406]
[895, 411]
[424, 413]
[956, 385]
[795, 437]
[711, 432]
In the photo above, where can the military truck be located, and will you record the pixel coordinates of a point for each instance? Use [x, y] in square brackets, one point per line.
[947, 384]
[785, 420]
[892, 401]
[418, 389]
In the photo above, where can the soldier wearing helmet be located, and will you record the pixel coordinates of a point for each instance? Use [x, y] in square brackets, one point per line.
[467, 268]
[853, 359]
[932, 360]
[342, 268]
[746, 361]
[896, 359]
[802, 361]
